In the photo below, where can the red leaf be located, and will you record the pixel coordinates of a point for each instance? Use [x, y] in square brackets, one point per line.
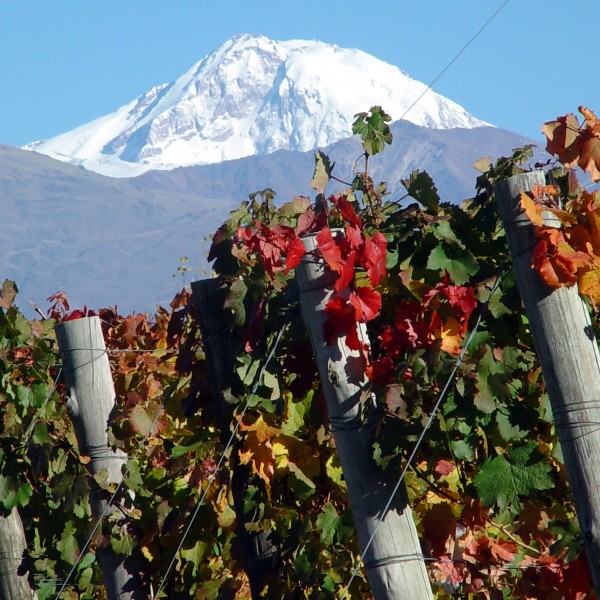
[330, 250]
[346, 210]
[341, 320]
[444, 467]
[295, 252]
[347, 274]
[311, 221]
[374, 258]
[439, 527]
[252, 334]
[462, 300]
[366, 302]
[354, 237]
[381, 371]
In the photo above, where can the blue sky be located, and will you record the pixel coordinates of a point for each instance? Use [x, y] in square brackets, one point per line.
[65, 63]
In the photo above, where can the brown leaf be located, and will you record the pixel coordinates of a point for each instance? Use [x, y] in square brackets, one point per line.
[7, 293]
[562, 136]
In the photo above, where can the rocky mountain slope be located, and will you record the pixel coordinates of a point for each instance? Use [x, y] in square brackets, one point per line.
[108, 241]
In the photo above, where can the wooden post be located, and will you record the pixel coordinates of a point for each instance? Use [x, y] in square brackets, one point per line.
[568, 353]
[394, 561]
[261, 553]
[13, 545]
[90, 403]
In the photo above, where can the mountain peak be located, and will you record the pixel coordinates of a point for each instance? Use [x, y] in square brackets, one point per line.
[252, 95]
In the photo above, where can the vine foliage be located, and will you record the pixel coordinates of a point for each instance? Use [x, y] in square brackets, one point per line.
[487, 486]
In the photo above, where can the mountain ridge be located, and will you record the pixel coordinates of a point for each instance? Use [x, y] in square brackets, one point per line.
[107, 241]
[252, 95]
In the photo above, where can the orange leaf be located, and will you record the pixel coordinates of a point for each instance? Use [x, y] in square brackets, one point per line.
[451, 335]
[556, 269]
[503, 550]
[259, 455]
[589, 153]
[589, 116]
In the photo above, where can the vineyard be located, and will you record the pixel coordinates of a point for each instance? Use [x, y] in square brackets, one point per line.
[234, 482]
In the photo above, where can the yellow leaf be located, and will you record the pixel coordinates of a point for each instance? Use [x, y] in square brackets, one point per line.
[334, 471]
[589, 282]
[226, 517]
[147, 554]
[259, 455]
[262, 431]
[281, 456]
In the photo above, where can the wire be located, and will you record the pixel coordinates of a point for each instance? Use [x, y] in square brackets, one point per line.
[456, 57]
[422, 436]
[223, 454]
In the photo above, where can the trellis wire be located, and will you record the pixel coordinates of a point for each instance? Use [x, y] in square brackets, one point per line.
[428, 423]
[456, 57]
[221, 459]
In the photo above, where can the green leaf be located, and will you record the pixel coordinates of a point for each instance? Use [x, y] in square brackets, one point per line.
[420, 186]
[458, 262]
[67, 545]
[502, 481]
[40, 434]
[507, 430]
[328, 523]
[134, 479]
[485, 399]
[195, 554]
[295, 414]
[123, 545]
[462, 450]
[569, 539]
[322, 174]
[295, 207]
[24, 396]
[39, 394]
[179, 451]
[373, 129]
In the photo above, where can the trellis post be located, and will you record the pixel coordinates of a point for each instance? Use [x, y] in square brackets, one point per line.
[261, 552]
[90, 403]
[13, 545]
[568, 353]
[394, 561]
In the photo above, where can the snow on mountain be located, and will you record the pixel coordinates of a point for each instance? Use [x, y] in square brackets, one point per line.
[252, 96]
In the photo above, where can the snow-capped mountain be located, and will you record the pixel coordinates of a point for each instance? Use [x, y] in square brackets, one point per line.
[252, 96]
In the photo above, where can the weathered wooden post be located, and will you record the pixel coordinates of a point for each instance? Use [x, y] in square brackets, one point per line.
[91, 401]
[261, 552]
[568, 353]
[13, 586]
[394, 561]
